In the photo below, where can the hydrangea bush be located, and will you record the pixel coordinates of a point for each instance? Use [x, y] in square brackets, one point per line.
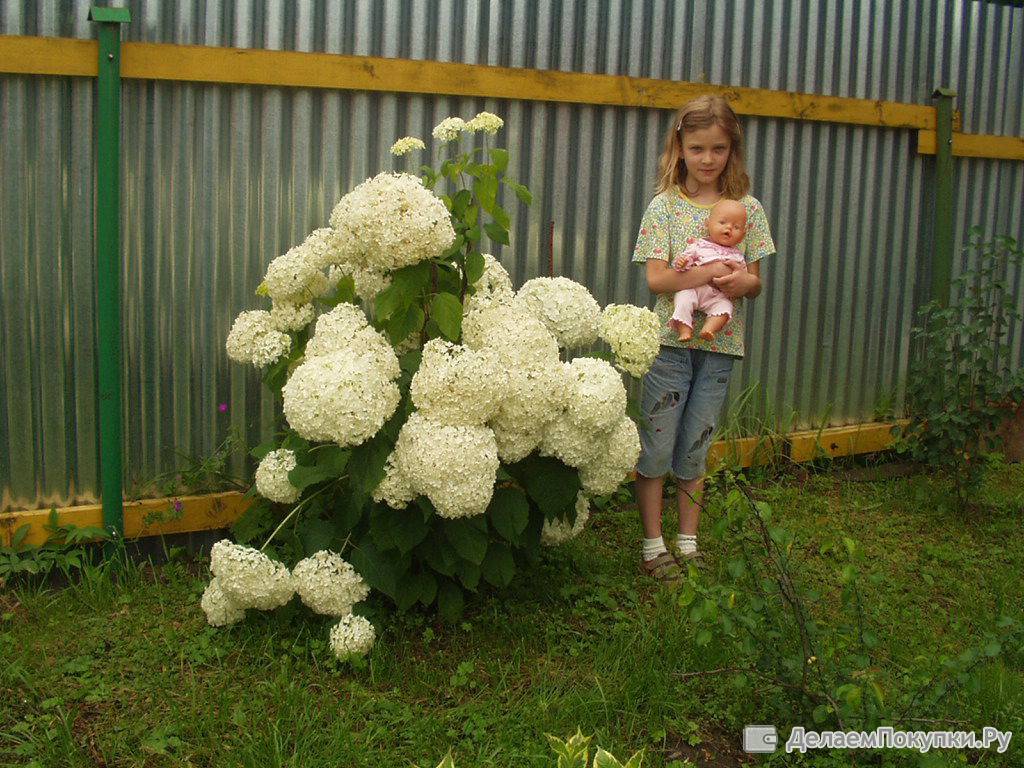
[436, 431]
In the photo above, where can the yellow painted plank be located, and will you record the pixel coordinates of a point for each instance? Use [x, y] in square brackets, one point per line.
[975, 145]
[48, 56]
[151, 517]
[148, 517]
[161, 61]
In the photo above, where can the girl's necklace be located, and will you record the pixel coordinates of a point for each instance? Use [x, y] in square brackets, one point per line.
[693, 195]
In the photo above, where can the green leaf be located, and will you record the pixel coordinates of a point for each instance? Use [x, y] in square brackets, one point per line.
[501, 217]
[500, 159]
[366, 465]
[498, 566]
[461, 202]
[389, 301]
[603, 759]
[552, 485]
[469, 537]
[703, 637]
[399, 528]
[261, 450]
[471, 215]
[316, 535]
[428, 588]
[509, 512]
[497, 233]
[475, 265]
[446, 311]
[330, 464]
[486, 190]
[19, 535]
[345, 293]
[521, 190]
[469, 575]
[401, 324]
[449, 600]
[380, 570]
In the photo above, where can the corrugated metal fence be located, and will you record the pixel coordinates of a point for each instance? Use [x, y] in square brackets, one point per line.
[220, 179]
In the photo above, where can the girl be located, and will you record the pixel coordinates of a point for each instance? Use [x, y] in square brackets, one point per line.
[683, 392]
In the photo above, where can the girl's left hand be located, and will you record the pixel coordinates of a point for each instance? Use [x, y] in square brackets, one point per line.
[738, 283]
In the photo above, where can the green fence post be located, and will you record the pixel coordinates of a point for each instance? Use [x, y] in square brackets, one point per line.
[108, 261]
[942, 243]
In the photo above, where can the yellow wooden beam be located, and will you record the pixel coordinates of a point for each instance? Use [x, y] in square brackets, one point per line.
[152, 517]
[975, 145]
[241, 66]
[148, 517]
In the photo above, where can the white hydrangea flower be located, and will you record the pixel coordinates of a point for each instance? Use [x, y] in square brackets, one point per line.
[449, 129]
[485, 121]
[344, 397]
[352, 635]
[494, 286]
[286, 316]
[515, 445]
[248, 578]
[394, 490]
[321, 248]
[254, 340]
[615, 459]
[406, 144]
[517, 336]
[345, 329]
[597, 397]
[536, 395]
[570, 442]
[272, 477]
[219, 609]
[633, 335]
[368, 282]
[557, 532]
[456, 385]
[328, 584]
[391, 221]
[454, 466]
[292, 277]
[565, 307]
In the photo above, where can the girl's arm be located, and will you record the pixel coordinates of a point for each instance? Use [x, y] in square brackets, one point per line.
[740, 284]
[661, 278]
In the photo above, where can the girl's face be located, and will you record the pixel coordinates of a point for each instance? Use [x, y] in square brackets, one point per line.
[706, 152]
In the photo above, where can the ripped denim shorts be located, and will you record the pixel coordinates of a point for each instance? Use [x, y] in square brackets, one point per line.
[682, 397]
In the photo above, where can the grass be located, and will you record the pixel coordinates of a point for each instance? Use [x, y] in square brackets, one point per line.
[125, 671]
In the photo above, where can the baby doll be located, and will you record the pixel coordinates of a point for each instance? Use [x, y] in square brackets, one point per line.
[727, 226]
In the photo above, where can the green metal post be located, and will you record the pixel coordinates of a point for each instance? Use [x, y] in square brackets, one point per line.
[108, 261]
[942, 243]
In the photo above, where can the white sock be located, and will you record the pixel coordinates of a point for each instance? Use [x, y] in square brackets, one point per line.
[687, 544]
[654, 547]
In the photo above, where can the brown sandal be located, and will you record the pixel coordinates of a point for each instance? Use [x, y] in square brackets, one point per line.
[662, 568]
[696, 558]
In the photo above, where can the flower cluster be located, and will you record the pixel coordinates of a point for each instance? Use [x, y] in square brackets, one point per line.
[453, 466]
[294, 277]
[557, 531]
[219, 609]
[391, 221]
[449, 129]
[343, 396]
[328, 584]
[486, 122]
[353, 635]
[565, 307]
[272, 477]
[406, 144]
[458, 386]
[632, 333]
[493, 286]
[249, 579]
[287, 316]
[592, 432]
[254, 339]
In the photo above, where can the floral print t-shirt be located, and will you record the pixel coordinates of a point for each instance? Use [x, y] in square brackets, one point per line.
[673, 221]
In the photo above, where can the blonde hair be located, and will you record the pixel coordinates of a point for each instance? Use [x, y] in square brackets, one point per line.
[695, 115]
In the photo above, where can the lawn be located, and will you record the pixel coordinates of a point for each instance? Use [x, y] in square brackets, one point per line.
[126, 672]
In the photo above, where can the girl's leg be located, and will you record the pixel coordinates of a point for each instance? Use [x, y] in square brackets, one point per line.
[648, 499]
[690, 498]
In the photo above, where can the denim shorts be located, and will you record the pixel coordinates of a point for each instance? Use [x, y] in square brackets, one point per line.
[682, 397]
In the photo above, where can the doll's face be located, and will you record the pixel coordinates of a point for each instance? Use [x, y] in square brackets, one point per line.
[727, 223]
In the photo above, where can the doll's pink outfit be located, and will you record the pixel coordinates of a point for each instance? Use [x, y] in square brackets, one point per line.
[706, 298]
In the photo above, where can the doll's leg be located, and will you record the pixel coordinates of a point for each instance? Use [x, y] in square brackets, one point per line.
[682, 316]
[719, 309]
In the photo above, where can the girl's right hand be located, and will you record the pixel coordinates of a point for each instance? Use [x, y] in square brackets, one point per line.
[661, 278]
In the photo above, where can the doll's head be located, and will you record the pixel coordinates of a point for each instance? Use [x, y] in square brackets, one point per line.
[727, 222]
